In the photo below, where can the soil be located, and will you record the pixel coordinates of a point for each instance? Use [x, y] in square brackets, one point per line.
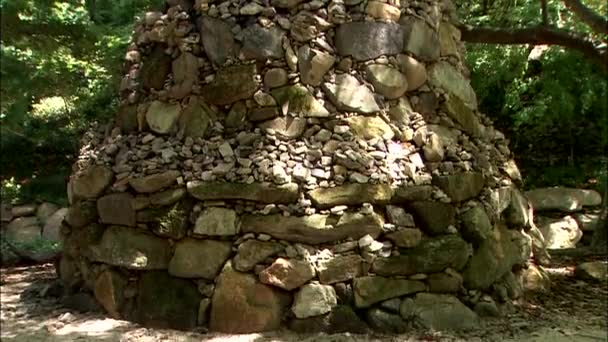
[574, 310]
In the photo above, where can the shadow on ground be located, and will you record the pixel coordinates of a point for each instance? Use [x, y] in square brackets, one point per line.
[32, 311]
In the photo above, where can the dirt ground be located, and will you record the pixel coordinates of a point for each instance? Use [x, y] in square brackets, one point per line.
[574, 310]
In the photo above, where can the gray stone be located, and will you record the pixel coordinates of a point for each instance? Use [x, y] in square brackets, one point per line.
[563, 199]
[241, 304]
[365, 40]
[349, 94]
[287, 274]
[414, 71]
[444, 75]
[262, 43]
[313, 65]
[285, 3]
[22, 230]
[231, 84]
[81, 213]
[476, 224]
[155, 182]
[487, 309]
[448, 35]
[185, 75]
[108, 291]
[216, 221]
[52, 228]
[531, 279]
[433, 150]
[386, 322]
[409, 193]
[445, 282]
[383, 11]
[314, 229]
[237, 117]
[366, 127]
[460, 186]
[258, 192]
[400, 114]
[275, 77]
[430, 256]
[406, 238]
[433, 217]
[253, 252]
[217, 39]
[387, 81]
[297, 100]
[440, 312]
[371, 290]
[44, 211]
[313, 300]
[24, 210]
[399, 217]
[495, 257]
[420, 39]
[593, 270]
[167, 221]
[286, 127]
[167, 197]
[162, 116]
[463, 115]
[340, 268]
[518, 213]
[560, 233]
[341, 319]
[351, 194]
[166, 302]
[262, 114]
[90, 184]
[116, 209]
[129, 248]
[587, 221]
[203, 311]
[195, 118]
[156, 68]
[199, 258]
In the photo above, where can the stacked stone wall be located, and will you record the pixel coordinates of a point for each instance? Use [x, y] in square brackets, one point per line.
[319, 165]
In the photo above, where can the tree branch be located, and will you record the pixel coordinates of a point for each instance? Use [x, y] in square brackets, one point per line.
[537, 35]
[597, 23]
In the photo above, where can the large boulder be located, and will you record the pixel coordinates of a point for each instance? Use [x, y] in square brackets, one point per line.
[495, 257]
[439, 312]
[260, 192]
[241, 304]
[560, 233]
[129, 248]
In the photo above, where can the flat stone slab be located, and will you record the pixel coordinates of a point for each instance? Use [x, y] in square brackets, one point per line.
[563, 199]
[371, 290]
[314, 229]
[430, 256]
[259, 192]
[351, 194]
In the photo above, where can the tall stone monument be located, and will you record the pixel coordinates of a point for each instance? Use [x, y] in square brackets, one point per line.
[319, 165]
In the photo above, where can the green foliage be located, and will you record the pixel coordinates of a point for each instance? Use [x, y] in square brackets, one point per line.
[61, 68]
[551, 102]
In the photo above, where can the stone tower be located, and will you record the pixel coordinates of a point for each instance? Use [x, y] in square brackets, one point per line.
[316, 164]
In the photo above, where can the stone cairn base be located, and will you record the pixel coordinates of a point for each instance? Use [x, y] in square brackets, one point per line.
[318, 165]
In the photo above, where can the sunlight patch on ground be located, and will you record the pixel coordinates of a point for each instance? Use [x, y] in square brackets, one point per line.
[91, 327]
